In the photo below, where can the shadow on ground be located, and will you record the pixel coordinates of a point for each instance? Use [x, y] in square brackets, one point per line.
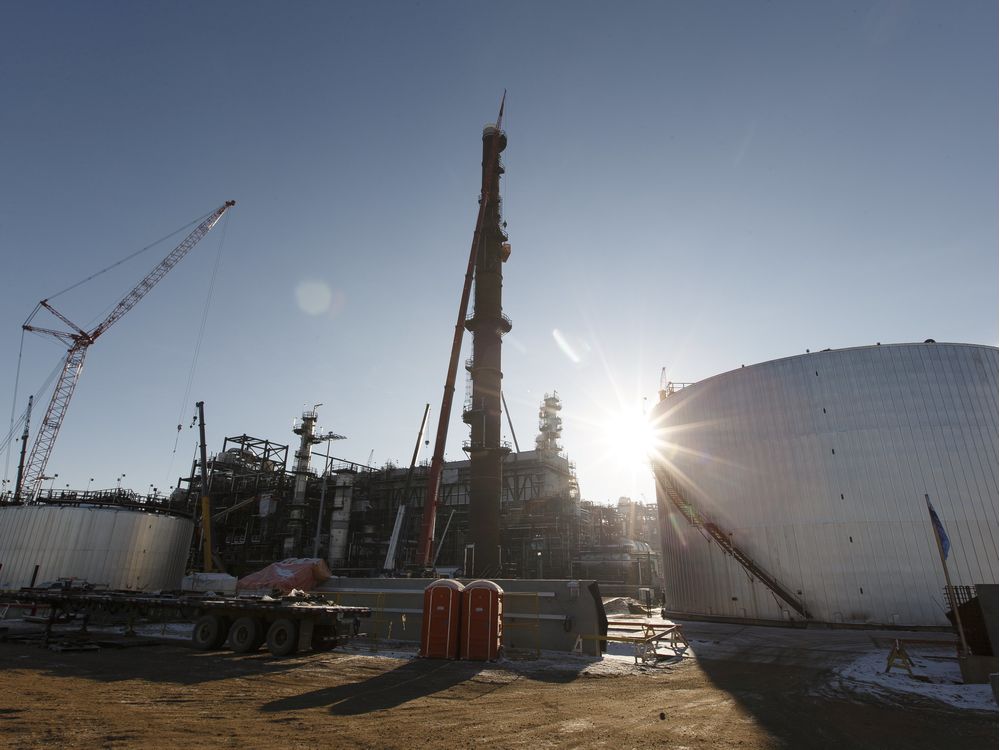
[128, 659]
[798, 708]
[414, 679]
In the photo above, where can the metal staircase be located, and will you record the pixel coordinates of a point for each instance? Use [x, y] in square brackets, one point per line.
[695, 518]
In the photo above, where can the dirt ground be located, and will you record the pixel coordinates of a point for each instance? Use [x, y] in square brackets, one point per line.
[165, 695]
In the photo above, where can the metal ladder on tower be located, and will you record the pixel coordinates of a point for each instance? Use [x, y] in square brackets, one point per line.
[695, 518]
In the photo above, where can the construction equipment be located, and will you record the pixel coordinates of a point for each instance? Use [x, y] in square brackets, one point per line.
[286, 624]
[668, 387]
[79, 341]
[425, 549]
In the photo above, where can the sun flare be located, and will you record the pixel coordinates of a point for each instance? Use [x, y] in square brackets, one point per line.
[630, 438]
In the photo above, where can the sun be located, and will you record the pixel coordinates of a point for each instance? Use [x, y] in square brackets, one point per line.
[629, 438]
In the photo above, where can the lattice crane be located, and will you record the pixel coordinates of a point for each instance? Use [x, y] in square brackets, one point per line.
[79, 341]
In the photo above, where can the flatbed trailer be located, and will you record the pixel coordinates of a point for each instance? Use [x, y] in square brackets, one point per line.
[286, 624]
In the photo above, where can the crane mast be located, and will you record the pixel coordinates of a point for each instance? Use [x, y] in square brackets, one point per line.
[79, 342]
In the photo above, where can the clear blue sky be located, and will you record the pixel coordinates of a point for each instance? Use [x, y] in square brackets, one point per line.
[695, 185]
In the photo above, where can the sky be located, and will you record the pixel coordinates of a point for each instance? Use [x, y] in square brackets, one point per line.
[690, 186]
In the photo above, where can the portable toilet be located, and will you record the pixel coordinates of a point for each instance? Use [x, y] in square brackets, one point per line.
[482, 621]
[442, 610]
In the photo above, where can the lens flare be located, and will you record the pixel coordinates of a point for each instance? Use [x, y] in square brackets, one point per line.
[629, 439]
[573, 347]
[313, 297]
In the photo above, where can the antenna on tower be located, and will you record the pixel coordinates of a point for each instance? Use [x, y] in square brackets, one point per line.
[500, 116]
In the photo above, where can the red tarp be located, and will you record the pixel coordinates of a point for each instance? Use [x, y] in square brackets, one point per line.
[303, 573]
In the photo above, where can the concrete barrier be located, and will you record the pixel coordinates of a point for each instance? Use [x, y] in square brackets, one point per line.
[538, 614]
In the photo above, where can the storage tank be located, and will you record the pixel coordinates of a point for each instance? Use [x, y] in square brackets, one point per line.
[106, 545]
[794, 489]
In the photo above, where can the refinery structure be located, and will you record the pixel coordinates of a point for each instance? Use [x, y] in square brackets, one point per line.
[502, 512]
[802, 551]
[791, 491]
[365, 521]
[271, 501]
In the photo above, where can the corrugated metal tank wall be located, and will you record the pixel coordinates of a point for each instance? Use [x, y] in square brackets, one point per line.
[817, 466]
[122, 549]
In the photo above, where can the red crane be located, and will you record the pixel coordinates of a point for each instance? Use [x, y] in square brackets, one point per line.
[79, 341]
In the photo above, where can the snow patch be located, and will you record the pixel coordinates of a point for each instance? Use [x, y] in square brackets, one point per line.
[937, 677]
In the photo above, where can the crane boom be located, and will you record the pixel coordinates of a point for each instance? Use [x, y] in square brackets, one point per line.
[131, 299]
[80, 341]
[34, 471]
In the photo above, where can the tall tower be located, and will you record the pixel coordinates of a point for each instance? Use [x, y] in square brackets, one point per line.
[549, 425]
[482, 412]
[306, 429]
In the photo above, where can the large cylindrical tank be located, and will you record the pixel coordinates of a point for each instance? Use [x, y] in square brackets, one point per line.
[815, 468]
[115, 547]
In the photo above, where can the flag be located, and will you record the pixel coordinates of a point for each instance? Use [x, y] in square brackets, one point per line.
[939, 531]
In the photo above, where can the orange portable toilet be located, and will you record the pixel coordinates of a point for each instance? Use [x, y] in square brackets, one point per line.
[482, 621]
[442, 610]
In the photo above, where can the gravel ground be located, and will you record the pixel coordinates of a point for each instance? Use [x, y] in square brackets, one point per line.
[161, 693]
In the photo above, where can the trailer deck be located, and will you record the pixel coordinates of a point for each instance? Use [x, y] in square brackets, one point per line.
[287, 624]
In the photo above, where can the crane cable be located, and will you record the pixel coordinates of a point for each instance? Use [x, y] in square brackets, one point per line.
[128, 257]
[117, 263]
[38, 399]
[198, 343]
[13, 409]
[6, 443]
[15, 425]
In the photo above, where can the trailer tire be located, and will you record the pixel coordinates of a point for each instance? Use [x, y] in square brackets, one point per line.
[209, 632]
[324, 637]
[246, 635]
[283, 637]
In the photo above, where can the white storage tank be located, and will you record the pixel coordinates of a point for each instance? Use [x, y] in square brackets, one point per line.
[814, 468]
[110, 546]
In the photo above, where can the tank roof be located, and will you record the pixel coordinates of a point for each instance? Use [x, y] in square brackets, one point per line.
[808, 353]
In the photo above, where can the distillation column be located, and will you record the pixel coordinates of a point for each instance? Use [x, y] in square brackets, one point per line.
[482, 413]
[306, 429]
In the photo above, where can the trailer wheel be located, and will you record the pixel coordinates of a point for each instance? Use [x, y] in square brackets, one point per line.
[246, 635]
[283, 637]
[324, 637]
[209, 632]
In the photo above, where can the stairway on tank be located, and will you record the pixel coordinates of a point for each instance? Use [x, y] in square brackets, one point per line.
[697, 519]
